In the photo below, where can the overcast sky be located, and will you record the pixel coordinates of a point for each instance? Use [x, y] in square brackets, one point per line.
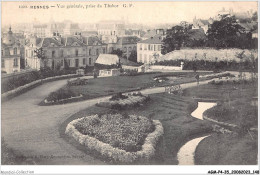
[140, 12]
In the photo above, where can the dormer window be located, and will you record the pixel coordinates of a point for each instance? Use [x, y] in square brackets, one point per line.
[53, 54]
[15, 51]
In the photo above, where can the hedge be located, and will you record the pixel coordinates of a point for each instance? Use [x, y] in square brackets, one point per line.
[12, 93]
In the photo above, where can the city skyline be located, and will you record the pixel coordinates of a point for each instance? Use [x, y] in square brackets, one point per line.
[148, 13]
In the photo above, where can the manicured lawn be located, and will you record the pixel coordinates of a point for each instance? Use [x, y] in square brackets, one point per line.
[234, 106]
[174, 115]
[227, 149]
[111, 85]
[234, 102]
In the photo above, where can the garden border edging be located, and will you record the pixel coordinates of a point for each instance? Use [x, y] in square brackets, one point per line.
[225, 124]
[147, 151]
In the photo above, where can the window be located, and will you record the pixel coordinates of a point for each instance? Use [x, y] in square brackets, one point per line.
[53, 54]
[15, 62]
[151, 47]
[104, 50]
[31, 53]
[89, 61]
[76, 53]
[62, 62]
[97, 52]
[15, 51]
[141, 47]
[61, 53]
[125, 49]
[154, 47]
[145, 58]
[3, 63]
[68, 62]
[134, 48]
[84, 61]
[7, 52]
[89, 52]
[150, 58]
[140, 58]
[2, 52]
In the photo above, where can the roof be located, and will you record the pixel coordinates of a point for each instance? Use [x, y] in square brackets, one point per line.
[128, 40]
[87, 33]
[91, 40]
[157, 39]
[72, 41]
[107, 59]
[150, 34]
[247, 26]
[46, 42]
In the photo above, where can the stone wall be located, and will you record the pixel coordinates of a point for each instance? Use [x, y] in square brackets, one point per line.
[207, 54]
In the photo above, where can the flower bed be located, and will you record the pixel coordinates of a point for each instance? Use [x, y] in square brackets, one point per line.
[120, 101]
[122, 138]
[234, 80]
[61, 95]
[218, 75]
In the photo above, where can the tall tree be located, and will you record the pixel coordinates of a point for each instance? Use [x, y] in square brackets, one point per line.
[40, 54]
[117, 52]
[225, 33]
[175, 39]
[133, 56]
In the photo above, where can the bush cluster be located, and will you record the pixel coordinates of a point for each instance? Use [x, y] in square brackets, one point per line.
[61, 94]
[211, 65]
[118, 96]
[129, 101]
[26, 78]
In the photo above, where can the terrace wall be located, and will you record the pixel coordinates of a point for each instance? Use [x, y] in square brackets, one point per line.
[207, 54]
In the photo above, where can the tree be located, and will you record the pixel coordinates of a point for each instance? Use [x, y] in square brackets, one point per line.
[117, 52]
[133, 56]
[40, 54]
[175, 39]
[225, 33]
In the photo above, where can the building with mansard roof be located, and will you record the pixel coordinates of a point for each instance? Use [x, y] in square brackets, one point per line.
[10, 53]
[72, 51]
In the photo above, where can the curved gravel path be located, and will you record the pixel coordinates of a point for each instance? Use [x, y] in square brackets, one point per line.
[33, 130]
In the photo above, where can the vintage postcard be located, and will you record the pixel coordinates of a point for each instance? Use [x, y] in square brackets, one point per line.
[129, 83]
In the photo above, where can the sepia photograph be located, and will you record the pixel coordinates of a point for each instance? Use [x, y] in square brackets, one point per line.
[130, 83]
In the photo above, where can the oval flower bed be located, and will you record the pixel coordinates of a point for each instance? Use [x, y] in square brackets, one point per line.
[123, 138]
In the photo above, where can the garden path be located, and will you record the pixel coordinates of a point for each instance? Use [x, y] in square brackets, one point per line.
[33, 130]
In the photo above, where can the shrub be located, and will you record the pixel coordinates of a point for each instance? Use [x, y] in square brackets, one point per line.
[61, 94]
[118, 96]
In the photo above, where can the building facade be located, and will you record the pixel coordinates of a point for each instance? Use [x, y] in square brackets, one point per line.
[149, 50]
[10, 53]
[61, 52]
[111, 28]
[126, 44]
